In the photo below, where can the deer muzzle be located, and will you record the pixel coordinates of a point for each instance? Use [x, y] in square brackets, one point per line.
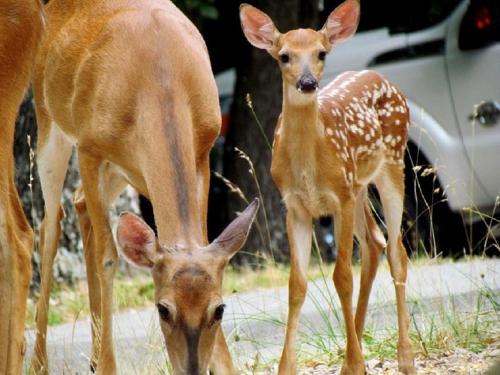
[307, 83]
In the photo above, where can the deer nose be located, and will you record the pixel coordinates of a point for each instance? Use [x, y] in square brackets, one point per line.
[307, 83]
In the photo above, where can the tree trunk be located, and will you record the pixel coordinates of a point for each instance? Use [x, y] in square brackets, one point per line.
[259, 76]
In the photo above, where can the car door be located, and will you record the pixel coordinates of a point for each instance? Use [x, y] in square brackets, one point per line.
[473, 67]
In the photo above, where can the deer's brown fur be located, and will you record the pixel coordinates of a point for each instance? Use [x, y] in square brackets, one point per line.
[20, 29]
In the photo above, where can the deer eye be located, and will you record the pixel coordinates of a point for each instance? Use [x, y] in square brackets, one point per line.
[164, 312]
[322, 55]
[219, 312]
[284, 58]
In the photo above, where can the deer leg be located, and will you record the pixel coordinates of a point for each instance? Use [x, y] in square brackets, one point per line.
[299, 228]
[98, 193]
[16, 241]
[92, 279]
[342, 278]
[372, 243]
[16, 236]
[390, 186]
[53, 157]
[113, 186]
[21, 26]
[221, 362]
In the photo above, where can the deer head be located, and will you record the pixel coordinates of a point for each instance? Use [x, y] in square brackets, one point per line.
[188, 285]
[300, 53]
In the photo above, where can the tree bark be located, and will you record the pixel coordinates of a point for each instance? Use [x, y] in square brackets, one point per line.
[259, 76]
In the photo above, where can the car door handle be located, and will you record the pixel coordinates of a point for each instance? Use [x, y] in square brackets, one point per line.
[487, 113]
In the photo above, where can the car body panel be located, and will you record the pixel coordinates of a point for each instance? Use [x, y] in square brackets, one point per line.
[474, 77]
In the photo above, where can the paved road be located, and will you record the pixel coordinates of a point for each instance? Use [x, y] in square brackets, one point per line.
[254, 321]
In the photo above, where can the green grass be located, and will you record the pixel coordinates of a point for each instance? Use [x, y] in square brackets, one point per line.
[436, 333]
[434, 330]
[68, 303]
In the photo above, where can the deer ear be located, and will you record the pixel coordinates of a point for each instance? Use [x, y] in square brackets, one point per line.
[258, 28]
[235, 235]
[342, 22]
[136, 240]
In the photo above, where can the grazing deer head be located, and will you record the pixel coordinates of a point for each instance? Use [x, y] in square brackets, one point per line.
[188, 284]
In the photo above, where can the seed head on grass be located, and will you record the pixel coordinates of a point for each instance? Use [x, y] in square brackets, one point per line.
[233, 188]
[248, 99]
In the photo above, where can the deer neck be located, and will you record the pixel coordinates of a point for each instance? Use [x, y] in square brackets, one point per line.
[177, 214]
[301, 124]
[175, 187]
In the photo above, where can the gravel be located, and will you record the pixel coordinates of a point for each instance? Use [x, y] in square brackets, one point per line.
[456, 362]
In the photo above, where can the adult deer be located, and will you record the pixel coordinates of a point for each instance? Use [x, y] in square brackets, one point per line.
[20, 29]
[130, 84]
[329, 146]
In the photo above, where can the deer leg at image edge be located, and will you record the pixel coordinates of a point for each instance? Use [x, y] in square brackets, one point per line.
[299, 228]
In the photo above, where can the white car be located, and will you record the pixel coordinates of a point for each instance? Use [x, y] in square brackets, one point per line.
[450, 72]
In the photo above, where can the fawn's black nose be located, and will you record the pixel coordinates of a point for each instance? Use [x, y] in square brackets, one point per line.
[307, 83]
